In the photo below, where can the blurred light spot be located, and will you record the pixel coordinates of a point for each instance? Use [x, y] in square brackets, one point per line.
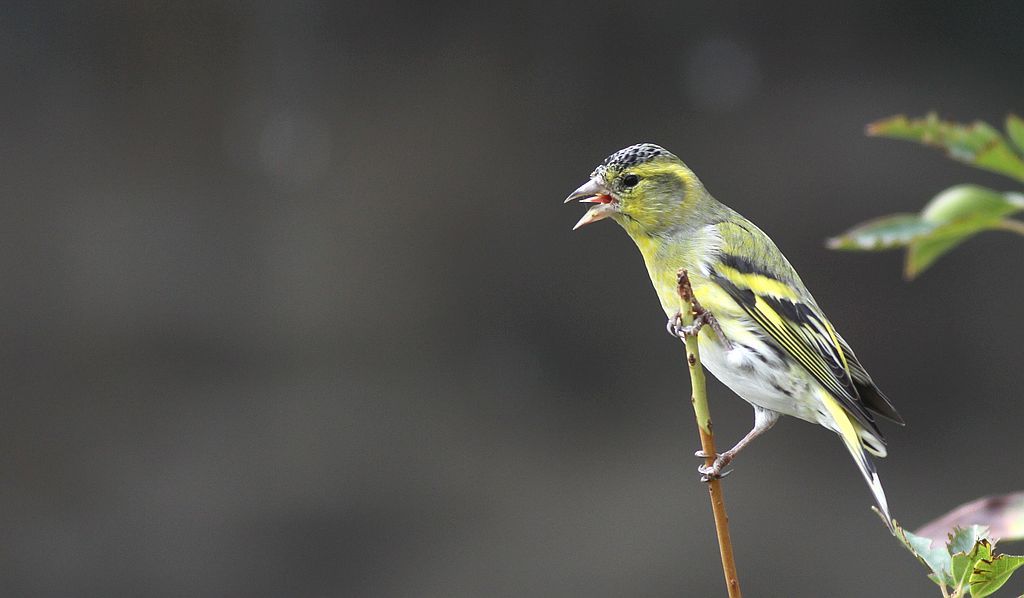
[295, 147]
[720, 74]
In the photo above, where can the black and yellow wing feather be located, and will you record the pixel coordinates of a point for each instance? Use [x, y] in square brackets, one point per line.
[767, 288]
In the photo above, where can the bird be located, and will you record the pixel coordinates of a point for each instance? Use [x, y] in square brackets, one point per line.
[771, 343]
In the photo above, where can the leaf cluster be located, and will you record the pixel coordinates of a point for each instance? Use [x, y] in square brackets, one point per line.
[958, 213]
[966, 565]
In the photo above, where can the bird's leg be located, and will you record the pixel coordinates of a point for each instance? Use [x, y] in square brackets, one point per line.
[764, 419]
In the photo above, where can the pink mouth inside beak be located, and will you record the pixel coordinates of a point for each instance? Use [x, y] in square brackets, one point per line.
[601, 198]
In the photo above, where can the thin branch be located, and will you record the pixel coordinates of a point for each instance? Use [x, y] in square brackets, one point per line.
[1011, 225]
[692, 310]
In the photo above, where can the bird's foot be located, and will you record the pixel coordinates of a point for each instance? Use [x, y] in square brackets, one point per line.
[714, 471]
[700, 319]
[675, 325]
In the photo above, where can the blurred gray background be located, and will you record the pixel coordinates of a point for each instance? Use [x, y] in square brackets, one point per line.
[291, 306]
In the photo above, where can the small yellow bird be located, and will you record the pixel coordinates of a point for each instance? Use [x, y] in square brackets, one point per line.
[772, 345]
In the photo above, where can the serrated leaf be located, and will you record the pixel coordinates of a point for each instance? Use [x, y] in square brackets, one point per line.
[966, 539]
[887, 232]
[977, 144]
[963, 562]
[937, 559]
[1015, 131]
[990, 574]
[1003, 515]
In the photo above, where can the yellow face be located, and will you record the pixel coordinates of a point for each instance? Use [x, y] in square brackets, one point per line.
[642, 187]
[649, 195]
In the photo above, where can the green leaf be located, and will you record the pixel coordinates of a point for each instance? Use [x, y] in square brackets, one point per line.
[923, 252]
[937, 559]
[962, 566]
[957, 214]
[963, 561]
[888, 232]
[1003, 515]
[946, 221]
[977, 144]
[1015, 130]
[990, 574]
[968, 201]
[965, 539]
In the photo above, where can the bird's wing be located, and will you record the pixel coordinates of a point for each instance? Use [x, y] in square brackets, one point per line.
[752, 270]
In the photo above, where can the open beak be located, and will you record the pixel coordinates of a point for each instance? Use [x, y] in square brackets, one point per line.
[594, 192]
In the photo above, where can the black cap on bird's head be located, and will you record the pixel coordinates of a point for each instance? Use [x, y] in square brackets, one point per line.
[618, 179]
[634, 155]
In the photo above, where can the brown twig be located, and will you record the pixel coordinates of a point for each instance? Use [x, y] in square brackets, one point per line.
[692, 311]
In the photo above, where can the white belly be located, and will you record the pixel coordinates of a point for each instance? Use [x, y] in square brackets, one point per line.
[756, 373]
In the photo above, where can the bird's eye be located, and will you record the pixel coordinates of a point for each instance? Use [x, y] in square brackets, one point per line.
[630, 180]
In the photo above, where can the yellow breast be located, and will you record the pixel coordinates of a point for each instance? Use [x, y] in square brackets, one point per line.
[664, 260]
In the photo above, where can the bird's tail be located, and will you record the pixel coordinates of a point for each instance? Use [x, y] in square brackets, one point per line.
[860, 443]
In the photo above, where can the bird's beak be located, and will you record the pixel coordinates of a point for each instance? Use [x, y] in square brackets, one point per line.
[594, 192]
